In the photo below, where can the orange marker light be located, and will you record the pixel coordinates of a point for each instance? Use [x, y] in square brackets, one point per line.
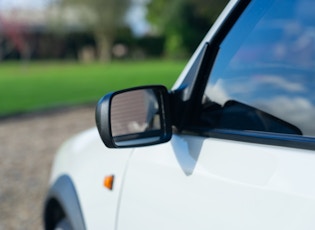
[109, 182]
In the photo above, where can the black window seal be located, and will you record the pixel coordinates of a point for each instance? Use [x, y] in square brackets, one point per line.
[265, 138]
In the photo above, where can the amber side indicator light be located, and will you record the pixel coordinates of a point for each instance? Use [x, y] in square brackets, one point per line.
[109, 182]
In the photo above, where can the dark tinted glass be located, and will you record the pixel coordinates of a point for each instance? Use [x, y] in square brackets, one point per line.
[263, 78]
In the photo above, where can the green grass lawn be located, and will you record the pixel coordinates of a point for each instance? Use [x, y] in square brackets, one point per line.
[40, 85]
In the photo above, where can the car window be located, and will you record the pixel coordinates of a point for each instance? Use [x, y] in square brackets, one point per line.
[263, 77]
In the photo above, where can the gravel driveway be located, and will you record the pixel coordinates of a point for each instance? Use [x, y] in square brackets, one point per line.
[27, 147]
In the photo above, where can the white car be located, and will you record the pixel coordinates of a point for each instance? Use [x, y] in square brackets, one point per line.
[231, 146]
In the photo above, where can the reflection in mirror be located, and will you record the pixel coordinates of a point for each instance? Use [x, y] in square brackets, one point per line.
[135, 112]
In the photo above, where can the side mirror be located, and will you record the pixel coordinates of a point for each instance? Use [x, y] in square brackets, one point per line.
[134, 117]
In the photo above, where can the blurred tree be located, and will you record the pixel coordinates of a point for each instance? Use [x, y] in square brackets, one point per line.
[101, 17]
[184, 22]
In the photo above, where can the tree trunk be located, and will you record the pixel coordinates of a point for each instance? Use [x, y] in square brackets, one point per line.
[103, 45]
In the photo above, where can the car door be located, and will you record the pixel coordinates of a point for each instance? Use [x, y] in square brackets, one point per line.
[246, 160]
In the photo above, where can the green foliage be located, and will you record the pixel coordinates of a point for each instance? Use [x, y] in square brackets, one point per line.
[184, 22]
[174, 46]
[163, 12]
[152, 46]
[43, 85]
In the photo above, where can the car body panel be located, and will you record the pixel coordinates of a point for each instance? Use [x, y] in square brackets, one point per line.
[209, 183]
[97, 202]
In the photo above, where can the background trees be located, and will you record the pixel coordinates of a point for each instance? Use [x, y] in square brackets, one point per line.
[183, 22]
[88, 29]
[101, 17]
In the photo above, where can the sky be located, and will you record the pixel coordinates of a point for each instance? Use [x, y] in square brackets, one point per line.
[9, 4]
[135, 18]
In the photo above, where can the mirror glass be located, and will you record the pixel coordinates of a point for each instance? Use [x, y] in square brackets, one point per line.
[135, 115]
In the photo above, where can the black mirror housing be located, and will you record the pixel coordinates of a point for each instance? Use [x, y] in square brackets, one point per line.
[134, 117]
